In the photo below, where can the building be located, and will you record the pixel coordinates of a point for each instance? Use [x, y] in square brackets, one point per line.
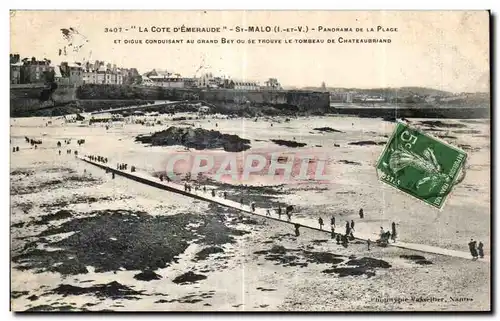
[89, 76]
[59, 78]
[15, 72]
[76, 74]
[130, 76]
[72, 71]
[209, 81]
[99, 73]
[272, 84]
[241, 84]
[171, 82]
[204, 80]
[70, 74]
[145, 81]
[35, 71]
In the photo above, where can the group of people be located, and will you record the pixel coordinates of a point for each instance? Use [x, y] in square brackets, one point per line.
[66, 141]
[168, 178]
[188, 188]
[121, 166]
[278, 211]
[15, 149]
[33, 142]
[68, 151]
[385, 236]
[476, 250]
[349, 231]
[100, 159]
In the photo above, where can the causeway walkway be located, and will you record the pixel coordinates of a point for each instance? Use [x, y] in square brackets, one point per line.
[146, 178]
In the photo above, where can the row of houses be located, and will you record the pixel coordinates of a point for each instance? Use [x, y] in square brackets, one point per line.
[74, 74]
[28, 71]
[355, 97]
[33, 71]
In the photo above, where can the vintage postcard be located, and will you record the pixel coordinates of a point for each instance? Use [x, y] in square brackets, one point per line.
[250, 161]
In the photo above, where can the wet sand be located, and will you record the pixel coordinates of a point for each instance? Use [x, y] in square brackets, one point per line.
[88, 242]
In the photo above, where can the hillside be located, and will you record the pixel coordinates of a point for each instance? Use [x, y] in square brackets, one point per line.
[388, 92]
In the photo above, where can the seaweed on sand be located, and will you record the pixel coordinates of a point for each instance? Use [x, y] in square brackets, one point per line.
[111, 239]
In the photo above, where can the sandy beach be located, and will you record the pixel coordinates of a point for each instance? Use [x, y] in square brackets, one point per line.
[83, 241]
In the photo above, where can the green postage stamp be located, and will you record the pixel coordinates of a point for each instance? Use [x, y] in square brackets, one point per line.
[421, 165]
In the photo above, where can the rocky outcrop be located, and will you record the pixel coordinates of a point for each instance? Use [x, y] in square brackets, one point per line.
[196, 138]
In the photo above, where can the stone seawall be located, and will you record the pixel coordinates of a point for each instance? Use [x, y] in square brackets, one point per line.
[25, 98]
[305, 101]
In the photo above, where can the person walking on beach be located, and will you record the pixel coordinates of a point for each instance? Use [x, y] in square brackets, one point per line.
[320, 221]
[279, 211]
[332, 221]
[213, 193]
[252, 205]
[289, 216]
[480, 250]
[268, 213]
[225, 195]
[368, 242]
[345, 241]
[59, 152]
[297, 233]
[473, 250]
[361, 214]
[382, 233]
[393, 234]
[113, 175]
[352, 225]
[347, 228]
[332, 232]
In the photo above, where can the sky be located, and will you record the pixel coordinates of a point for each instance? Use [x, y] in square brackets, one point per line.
[446, 50]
